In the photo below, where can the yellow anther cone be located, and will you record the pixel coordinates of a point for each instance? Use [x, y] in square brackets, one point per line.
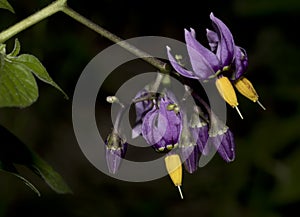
[226, 90]
[174, 168]
[245, 87]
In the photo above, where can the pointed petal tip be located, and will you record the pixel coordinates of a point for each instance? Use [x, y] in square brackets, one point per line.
[168, 48]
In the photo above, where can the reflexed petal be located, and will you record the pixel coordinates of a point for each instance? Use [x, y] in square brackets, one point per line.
[204, 62]
[201, 134]
[213, 39]
[136, 130]
[191, 156]
[143, 106]
[225, 145]
[179, 68]
[241, 63]
[226, 47]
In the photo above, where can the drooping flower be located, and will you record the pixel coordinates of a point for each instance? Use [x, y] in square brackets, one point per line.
[161, 126]
[115, 150]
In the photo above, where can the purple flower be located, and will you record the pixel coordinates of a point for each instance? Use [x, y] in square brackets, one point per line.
[115, 150]
[161, 126]
[206, 63]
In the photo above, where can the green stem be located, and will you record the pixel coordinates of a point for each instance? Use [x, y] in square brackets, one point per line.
[33, 19]
[163, 67]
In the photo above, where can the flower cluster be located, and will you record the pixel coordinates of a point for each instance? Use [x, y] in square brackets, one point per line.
[165, 124]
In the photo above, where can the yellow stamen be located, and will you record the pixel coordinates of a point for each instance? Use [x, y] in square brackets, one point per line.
[245, 87]
[226, 90]
[174, 168]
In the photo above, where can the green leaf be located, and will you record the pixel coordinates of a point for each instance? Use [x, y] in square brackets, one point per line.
[35, 66]
[18, 87]
[13, 151]
[5, 5]
[51, 177]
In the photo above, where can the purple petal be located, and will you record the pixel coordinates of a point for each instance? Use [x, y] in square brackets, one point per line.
[153, 128]
[204, 62]
[113, 159]
[173, 122]
[201, 134]
[178, 67]
[191, 156]
[143, 106]
[213, 39]
[225, 145]
[241, 63]
[136, 130]
[225, 50]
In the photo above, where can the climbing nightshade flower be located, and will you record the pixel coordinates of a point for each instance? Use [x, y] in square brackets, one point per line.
[214, 62]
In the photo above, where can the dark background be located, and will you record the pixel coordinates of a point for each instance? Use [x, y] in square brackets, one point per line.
[264, 180]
